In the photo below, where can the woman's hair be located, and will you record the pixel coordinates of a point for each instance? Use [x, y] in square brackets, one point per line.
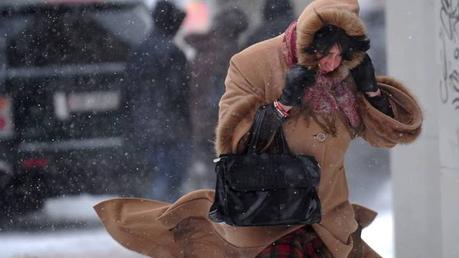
[328, 35]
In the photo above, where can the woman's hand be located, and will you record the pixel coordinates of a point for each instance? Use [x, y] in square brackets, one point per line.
[297, 80]
[364, 77]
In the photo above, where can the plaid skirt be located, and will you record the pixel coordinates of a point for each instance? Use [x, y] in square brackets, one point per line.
[301, 243]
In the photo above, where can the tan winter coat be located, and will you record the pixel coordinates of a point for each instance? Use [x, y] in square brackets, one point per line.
[256, 77]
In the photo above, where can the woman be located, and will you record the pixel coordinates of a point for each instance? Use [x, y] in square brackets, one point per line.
[320, 82]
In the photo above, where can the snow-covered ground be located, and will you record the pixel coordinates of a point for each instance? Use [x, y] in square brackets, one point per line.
[92, 241]
[379, 235]
[66, 239]
[88, 243]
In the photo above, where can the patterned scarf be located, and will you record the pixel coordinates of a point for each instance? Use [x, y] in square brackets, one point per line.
[329, 96]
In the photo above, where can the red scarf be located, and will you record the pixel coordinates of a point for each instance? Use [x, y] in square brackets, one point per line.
[290, 42]
[327, 95]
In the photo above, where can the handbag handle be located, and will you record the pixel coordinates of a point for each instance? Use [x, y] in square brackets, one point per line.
[266, 119]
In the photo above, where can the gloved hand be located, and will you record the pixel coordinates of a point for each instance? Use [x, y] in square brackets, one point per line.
[364, 76]
[298, 79]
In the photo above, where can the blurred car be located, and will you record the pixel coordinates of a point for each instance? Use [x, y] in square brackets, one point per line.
[62, 106]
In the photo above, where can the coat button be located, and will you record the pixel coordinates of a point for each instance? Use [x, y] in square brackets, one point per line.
[321, 137]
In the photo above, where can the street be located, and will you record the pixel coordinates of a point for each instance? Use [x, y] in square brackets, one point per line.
[66, 228]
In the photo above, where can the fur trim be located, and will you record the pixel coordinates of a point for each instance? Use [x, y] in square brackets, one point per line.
[406, 126]
[314, 18]
[387, 80]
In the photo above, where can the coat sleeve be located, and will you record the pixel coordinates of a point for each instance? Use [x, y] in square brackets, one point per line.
[237, 107]
[381, 130]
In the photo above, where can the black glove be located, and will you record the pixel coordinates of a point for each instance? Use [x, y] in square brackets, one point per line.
[381, 103]
[298, 79]
[364, 76]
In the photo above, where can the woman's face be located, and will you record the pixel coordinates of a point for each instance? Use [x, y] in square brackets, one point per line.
[330, 61]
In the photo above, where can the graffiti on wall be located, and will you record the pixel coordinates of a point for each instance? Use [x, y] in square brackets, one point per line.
[448, 28]
[449, 36]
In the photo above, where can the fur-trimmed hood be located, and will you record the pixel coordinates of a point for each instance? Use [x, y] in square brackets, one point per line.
[341, 13]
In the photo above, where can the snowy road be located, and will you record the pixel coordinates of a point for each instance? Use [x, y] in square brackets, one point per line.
[68, 228]
[62, 244]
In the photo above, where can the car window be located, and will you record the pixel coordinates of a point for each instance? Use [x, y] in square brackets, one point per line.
[56, 36]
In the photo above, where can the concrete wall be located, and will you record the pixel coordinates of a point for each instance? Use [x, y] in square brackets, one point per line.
[415, 168]
[422, 52]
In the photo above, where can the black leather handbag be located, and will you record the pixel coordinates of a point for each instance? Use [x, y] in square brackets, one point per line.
[266, 189]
